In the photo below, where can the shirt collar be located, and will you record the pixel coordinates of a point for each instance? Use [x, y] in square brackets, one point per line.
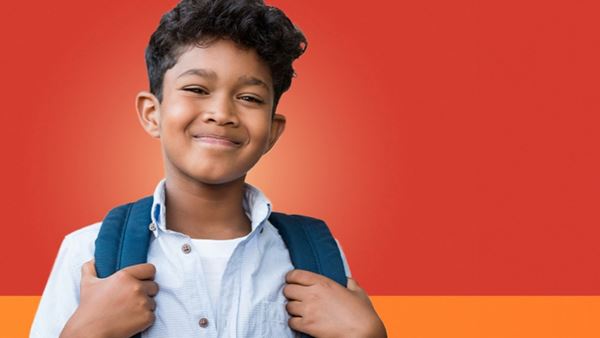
[256, 205]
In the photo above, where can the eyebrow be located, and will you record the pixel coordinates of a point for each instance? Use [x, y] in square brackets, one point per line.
[246, 80]
[199, 72]
[252, 81]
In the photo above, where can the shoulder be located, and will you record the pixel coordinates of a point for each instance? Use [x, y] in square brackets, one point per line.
[76, 248]
[324, 231]
[85, 234]
[81, 242]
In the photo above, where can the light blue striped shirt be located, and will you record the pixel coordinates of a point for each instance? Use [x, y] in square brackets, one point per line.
[251, 301]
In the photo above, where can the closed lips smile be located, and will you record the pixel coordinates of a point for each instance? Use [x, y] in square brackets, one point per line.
[217, 140]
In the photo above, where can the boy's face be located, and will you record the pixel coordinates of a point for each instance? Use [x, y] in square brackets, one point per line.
[215, 119]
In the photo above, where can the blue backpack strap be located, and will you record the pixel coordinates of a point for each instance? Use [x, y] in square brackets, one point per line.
[311, 245]
[124, 238]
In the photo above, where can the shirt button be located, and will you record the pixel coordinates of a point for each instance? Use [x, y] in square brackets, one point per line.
[152, 226]
[186, 248]
[203, 322]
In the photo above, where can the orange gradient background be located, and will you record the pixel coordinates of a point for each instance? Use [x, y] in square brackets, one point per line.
[452, 146]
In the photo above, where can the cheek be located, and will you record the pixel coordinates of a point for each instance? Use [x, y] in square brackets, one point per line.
[176, 119]
[260, 131]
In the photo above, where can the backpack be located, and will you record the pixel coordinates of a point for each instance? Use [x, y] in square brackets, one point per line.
[124, 239]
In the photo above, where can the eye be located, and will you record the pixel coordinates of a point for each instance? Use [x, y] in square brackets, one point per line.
[251, 99]
[196, 90]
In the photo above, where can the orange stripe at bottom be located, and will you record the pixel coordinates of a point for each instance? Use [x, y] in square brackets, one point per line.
[490, 316]
[428, 316]
[16, 314]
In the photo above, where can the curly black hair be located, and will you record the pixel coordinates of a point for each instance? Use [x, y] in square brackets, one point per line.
[249, 23]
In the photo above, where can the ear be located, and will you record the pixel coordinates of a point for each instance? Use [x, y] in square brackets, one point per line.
[277, 128]
[148, 109]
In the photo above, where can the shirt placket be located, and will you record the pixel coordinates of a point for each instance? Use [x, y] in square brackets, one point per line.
[201, 312]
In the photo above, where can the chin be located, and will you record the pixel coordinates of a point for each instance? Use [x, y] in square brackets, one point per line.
[217, 179]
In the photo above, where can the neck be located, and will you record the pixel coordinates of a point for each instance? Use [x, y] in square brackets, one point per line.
[208, 211]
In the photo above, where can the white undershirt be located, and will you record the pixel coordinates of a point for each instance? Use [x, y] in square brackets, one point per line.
[214, 255]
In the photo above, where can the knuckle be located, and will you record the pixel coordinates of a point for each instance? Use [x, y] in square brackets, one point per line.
[143, 303]
[149, 317]
[311, 310]
[136, 288]
[308, 321]
[326, 283]
[314, 296]
[121, 276]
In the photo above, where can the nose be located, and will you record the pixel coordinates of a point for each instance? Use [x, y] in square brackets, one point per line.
[221, 110]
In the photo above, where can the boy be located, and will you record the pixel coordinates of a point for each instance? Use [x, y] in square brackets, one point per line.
[216, 266]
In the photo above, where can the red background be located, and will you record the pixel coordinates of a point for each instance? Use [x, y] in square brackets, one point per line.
[452, 146]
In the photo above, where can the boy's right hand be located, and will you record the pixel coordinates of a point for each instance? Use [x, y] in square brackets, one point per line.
[118, 306]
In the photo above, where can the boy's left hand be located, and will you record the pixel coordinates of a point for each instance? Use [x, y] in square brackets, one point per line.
[322, 308]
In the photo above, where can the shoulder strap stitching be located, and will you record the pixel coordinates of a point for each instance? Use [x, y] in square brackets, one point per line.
[122, 239]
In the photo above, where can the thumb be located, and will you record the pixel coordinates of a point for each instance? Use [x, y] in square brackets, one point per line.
[353, 285]
[88, 270]
[356, 289]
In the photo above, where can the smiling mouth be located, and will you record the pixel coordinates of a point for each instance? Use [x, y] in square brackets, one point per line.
[216, 140]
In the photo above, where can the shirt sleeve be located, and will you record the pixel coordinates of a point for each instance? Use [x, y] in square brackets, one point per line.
[346, 266]
[61, 294]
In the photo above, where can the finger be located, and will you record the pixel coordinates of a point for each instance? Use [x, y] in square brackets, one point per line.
[295, 308]
[150, 287]
[354, 287]
[151, 304]
[296, 324]
[145, 271]
[352, 284]
[294, 292]
[88, 270]
[302, 277]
